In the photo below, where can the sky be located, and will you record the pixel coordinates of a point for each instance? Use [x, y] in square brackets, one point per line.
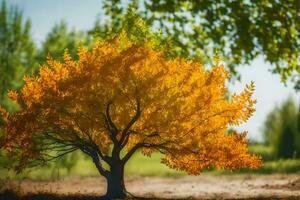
[81, 15]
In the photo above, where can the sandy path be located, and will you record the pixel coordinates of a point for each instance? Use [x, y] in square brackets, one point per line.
[203, 187]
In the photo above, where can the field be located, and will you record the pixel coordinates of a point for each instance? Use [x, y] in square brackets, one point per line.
[147, 177]
[141, 165]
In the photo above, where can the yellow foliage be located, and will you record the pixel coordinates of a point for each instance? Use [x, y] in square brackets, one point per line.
[184, 112]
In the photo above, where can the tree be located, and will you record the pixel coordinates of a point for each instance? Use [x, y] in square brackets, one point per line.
[125, 96]
[58, 39]
[280, 130]
[286, 144]
[238, 31]
[17, 51]
[271, 127]
[298, 132]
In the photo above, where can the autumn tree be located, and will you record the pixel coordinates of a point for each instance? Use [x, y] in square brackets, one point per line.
[125, 96]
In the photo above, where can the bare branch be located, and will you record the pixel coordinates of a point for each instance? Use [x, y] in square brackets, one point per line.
[98, 165]
[143, 144]
[59, 155]
[153, 134]
[125, 132]
[87, 146]
[110, 126]
[110, 122]
[131, 152]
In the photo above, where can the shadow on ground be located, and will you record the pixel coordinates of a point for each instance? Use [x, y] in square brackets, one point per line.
[9, 195]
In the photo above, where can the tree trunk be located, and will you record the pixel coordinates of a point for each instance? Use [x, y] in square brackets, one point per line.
[115, 183]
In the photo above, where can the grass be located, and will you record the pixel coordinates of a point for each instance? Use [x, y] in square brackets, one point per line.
[266, 152]
[141, 165]
[138, 165]
[149, 166]
[288, 166]
[278, 166]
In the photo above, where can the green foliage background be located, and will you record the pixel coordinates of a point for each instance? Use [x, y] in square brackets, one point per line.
[17, 52]
[238, 31]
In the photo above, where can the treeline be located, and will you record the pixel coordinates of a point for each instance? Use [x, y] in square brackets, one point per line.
[281, 130]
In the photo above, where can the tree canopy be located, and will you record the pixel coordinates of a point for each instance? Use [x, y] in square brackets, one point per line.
[238, 31]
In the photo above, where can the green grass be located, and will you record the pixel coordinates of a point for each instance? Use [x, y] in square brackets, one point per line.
[278, 166]
[140, 165]
[265, 152]
[289, 166]
[149, 166]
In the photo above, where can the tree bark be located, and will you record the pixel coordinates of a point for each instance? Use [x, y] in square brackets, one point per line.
[115, 182]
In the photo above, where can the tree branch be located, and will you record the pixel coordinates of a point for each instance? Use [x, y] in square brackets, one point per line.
[131, 152]
[98, 165]
[111, 127]
[110, 122]
[125, 132]
[60, 155]
[143, 144]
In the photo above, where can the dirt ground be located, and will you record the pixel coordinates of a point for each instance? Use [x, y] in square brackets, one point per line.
[198, 187]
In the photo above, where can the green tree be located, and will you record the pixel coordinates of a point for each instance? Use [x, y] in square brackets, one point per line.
[286, 143]
[60, 38]
[271, 126]
[17, 51]
[100, 31]
[298, 131]
[280, 130]
[238, 31]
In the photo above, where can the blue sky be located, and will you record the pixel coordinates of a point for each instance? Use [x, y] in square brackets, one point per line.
[81, 15]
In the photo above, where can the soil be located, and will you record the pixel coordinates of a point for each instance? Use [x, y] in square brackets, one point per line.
[187, 187]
